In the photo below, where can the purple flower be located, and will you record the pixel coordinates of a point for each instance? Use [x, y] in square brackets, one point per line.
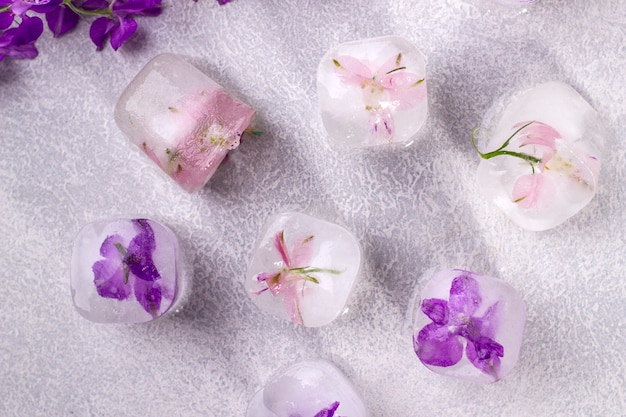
[61, 20]
[330, 411]
[440, 342]
[130, 269]
[19, 7]
[120, 25]
[19, 42]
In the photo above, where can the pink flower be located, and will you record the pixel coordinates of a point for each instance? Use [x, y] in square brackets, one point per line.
[291, 279]
[391, 88]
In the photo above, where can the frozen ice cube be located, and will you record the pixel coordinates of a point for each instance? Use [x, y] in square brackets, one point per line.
[542, 157]
[303, 269]
[308, 389]
[373, 92]
[126, 271]
[469, 326]
[184, 121]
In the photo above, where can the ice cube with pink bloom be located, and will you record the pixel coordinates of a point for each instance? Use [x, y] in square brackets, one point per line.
[180, 118]
[540, 155]
[303, 269]
[314, 388]
[469, 326]
[126, 271]
[373, 92]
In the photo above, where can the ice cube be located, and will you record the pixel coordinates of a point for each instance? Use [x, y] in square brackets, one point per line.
[126, 271]
[180, 118]
[303, 269]
[373, 92]
[542, 159]
[308, 389]
[469, 326]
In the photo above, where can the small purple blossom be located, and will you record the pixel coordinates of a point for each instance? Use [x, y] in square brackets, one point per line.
[125, 270]
[19, 42]
[440, 342]
[326, 412]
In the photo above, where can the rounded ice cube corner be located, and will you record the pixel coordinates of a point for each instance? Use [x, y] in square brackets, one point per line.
[469, 326]
[373, 92]
[540, 155]
[313, 388]
[181, 119]
[303, 269]
[126, 271]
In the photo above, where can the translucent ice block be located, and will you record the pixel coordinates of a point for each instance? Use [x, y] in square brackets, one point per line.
[373, 92]
[308, 389]
[469, 326]
[303, 269]
[125, 271]
[184, 121]
[541, 155]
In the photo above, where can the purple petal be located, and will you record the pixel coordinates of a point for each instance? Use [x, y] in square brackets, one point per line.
[121, 32]
[485, 355]
[464, 295]
[6, 18]
[19, 42]
[223, 2]
[436, 310]
[139, 256]
[137, 7]
[109, 248]
[148, 294]
[109, 278]
[44, 6]
[99, 31]
[61, 20]
[434, 345]
[95, 5]
[328, 412]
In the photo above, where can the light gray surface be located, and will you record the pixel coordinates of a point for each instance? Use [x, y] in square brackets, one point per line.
[63, 162]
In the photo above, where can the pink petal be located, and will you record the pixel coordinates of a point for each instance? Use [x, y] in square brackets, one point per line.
[527, 190]
[279, 243]
[391, 64]
[302, 252]
[406, 89]
[538, 133]
[351, 70]
[292, 302]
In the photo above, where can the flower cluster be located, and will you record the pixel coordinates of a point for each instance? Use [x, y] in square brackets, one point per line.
[530, 188]
[386, 90]
[128, 269]
[291, 279]
[440, 343]
[113, 20]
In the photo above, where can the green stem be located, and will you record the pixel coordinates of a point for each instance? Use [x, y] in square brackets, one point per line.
[310, 270]
[78, 10]
[5, 9]
[526, 157]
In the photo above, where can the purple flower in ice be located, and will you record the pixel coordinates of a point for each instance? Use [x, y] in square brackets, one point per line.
[440, 342]
[128, 269]
[327, 412]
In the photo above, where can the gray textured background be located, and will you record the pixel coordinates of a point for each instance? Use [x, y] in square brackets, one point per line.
[63, 162]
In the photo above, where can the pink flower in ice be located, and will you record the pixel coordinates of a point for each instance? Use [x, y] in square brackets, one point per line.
[530, 189]
[385, 91]
[291, 279]
[214, 122]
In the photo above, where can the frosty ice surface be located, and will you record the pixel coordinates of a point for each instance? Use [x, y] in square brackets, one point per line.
[308, 389]
[303, 269]
[373, 92]
[180, 118]
[469, 326]
[125, 271]
[542, 157]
